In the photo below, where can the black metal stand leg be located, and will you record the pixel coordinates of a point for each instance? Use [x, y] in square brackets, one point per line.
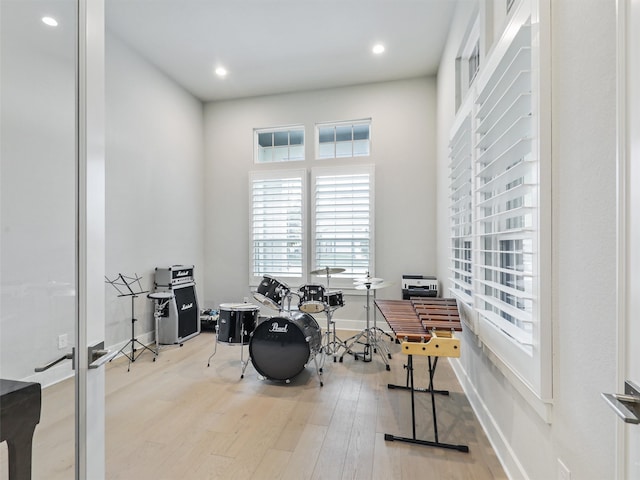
[418, 389]
[132, 356]
[215, 348]
[436, 443]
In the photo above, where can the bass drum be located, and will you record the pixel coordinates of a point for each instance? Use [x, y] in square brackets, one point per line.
[280, 347]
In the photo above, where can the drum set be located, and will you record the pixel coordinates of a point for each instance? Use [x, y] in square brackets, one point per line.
[280, 347]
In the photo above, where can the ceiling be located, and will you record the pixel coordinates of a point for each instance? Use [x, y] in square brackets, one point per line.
[277, 46]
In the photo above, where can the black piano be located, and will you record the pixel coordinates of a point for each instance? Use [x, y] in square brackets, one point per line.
[20, 404]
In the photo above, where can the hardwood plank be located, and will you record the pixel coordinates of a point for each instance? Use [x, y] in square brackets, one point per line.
[176, 418]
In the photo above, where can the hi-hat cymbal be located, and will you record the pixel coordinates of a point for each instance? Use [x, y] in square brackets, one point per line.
[361, 281]
[373, 286]
[327, 271]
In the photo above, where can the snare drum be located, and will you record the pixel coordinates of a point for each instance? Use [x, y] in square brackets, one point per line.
[270, 292]
[334, 299]
[236, 322]
[312, 299]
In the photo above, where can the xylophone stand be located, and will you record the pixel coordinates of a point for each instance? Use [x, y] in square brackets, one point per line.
[436, 443]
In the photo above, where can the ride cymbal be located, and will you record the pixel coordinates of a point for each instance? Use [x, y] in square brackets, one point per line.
[327, 271]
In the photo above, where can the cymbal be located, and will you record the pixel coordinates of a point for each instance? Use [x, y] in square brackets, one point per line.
[360, 281]
[373, 286]
[327, 271]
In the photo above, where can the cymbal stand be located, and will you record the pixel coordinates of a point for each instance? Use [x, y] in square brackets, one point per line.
[378, 333]
[367, 353]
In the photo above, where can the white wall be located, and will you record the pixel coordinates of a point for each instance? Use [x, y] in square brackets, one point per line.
[155, 187]
[403, 151]
[582, 432]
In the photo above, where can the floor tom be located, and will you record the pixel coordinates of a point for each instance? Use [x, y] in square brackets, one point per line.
[236, 322]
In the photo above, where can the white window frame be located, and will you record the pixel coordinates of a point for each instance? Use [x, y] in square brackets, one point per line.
[527, 367]
[270, 175]
[256, 145]
[318, 126]
[343, 280]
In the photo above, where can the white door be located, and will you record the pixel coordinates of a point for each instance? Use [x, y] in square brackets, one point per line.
[52, 230]
[629, 260]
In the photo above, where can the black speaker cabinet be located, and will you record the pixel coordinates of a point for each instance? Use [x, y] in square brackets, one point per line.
[181, 320]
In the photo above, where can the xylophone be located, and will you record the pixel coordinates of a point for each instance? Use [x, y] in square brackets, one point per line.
[424, 326]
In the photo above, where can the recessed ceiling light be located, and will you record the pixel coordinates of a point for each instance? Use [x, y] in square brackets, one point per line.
[221, 71]
[378, 48]
[52, 22]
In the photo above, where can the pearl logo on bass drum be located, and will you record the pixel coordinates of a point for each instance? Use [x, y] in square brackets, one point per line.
[276, 328]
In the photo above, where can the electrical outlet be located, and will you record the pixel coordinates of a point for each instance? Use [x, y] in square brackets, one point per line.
[563, 471]
[63, 341]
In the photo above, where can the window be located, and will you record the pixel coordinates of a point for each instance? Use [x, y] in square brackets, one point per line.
[343, 219]
[505, 185]
[474, 62]
[340, 234]
[344, 139]
[279, 145]
[460, 210]
[500, 208]
[277, 223]
[467, 62]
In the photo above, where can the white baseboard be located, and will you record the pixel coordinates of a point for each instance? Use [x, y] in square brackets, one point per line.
[507, 457]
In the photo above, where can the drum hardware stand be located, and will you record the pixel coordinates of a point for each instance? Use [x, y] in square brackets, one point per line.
[413, 439]
[123, 285]
[332, 346]
[242, 361]
[159, 306]
[378, 332]
[371, 344]
[319, 370]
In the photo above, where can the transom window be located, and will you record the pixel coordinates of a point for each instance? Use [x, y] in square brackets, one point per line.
[279, 145]
[344, 139]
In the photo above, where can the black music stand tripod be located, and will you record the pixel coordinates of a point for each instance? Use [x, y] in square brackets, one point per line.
[123, 285]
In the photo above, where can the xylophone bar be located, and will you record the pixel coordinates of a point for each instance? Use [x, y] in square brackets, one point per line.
[403, 320]
[415, 320]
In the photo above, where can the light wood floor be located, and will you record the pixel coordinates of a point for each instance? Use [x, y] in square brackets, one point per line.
[176, 418]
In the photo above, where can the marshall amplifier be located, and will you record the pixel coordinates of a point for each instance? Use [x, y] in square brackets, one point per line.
[181, 319]
[174, 275]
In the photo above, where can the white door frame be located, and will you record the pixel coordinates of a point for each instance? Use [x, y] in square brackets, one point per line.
[90, 154]
[628, 202]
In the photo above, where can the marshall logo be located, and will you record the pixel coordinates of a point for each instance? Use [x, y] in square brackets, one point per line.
[186, 306]
[278, 329]
[182, 273]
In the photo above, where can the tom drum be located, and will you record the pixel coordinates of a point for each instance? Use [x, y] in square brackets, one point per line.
[334, 299]
[312, 298]
[271, 292]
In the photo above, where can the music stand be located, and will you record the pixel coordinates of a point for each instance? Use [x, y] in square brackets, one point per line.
[123, 285]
